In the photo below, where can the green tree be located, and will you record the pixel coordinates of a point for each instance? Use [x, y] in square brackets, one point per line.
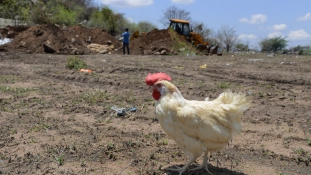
[110, 19]
[265, 45]
[107, 19]
[39, 13]
[301, 50]
[242, 47]
[79, 7]
[124, 23]
[83, 7]
[296, 48]
[18, 11]
[273, 44]
[51, 11]
[145, 26]
[63, 15]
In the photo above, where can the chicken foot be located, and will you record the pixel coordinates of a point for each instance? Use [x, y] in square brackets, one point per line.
[184, 168]
[204, 164]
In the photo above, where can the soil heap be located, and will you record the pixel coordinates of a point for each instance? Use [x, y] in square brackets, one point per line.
[79, 40]
[158, 42]
[57, 39]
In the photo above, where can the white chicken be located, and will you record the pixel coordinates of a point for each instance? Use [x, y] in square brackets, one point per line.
[197, 126]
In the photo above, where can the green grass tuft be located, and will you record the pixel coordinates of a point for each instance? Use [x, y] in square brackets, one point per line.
[73, 62]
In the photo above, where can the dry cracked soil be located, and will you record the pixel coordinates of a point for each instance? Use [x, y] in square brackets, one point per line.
[59, 121]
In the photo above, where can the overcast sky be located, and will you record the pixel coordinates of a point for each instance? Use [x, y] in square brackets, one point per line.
[253, 20]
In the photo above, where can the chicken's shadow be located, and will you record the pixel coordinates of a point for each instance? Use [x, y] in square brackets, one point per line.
[213, 169]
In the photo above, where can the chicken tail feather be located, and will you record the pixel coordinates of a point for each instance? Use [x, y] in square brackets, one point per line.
[234, 105]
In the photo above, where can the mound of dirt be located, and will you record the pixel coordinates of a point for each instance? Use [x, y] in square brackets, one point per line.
[55, 39]
[157, 42]
[12, 31]
[59, 39]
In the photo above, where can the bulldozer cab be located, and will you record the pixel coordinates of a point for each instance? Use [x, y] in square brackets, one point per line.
[180, 26]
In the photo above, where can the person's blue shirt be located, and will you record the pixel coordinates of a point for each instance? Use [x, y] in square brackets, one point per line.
[126, 37]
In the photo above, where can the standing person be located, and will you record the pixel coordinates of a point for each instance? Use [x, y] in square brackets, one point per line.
[126, 41]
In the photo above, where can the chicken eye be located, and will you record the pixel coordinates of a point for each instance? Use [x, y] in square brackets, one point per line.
[159, 85]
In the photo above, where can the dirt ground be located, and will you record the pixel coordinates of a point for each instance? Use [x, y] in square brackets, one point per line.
[59, 121]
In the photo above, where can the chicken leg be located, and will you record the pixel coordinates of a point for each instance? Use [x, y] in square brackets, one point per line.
[184, 168]
[204, 164]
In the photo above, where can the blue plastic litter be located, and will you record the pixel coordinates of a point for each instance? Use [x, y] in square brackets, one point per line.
[122, 111]
[132, 109]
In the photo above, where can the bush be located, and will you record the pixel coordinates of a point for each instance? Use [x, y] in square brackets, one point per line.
[74, 62]
[65, 16]
[15, 10]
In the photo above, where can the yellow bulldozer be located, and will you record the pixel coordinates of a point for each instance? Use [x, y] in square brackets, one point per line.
[182, 27]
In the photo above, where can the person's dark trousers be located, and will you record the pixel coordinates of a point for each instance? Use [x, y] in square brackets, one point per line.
[126, 45]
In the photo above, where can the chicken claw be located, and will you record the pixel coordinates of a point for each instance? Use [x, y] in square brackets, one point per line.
[204, 165]
[184, 168]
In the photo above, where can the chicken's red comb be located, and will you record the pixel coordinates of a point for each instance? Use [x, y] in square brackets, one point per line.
[151, 79]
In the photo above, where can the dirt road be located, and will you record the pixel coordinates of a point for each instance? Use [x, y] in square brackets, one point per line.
[59, 121]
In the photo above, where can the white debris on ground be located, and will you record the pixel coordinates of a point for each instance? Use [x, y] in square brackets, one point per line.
[5, 41]
[103, 49]
[255, 59]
